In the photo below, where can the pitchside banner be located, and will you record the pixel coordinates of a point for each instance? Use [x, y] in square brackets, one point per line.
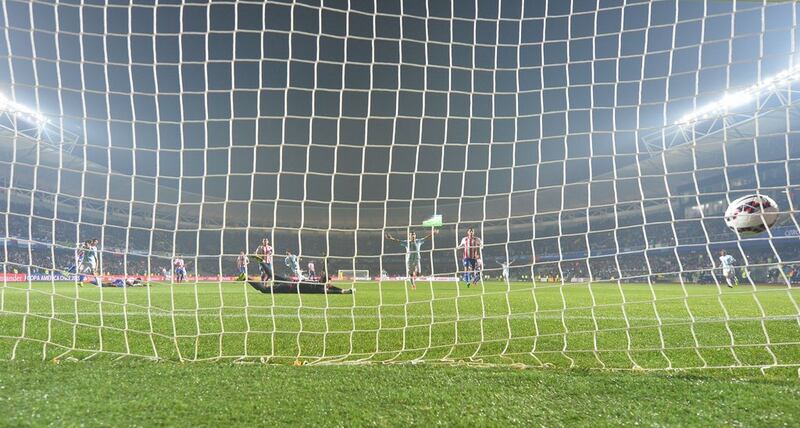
[56, 277]
[12, 277]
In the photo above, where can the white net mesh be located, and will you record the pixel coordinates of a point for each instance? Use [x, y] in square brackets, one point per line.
[593, 146]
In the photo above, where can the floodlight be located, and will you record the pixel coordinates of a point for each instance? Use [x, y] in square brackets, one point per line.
[21, 112]
[745, 96]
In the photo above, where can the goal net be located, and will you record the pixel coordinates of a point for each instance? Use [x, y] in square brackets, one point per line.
[593, 148]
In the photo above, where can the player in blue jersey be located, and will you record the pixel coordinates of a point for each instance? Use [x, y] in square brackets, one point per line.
[78, 257]
[125, 282]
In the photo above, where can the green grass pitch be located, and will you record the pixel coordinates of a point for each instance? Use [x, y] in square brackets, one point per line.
[579, 334]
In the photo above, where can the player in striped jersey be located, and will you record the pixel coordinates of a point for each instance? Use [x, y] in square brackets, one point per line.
[471, 246]
[312, 270]
[180, 269]
[264, 252]
[241, 266]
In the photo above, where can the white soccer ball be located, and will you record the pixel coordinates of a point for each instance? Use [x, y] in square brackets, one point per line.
[752, 214]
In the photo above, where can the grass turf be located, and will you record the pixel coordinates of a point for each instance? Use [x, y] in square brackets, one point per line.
[579, 325]
[221, 394]
[583, 326]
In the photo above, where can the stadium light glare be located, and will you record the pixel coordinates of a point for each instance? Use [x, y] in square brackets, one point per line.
[21, 111]
[735, 99]
[731, 101]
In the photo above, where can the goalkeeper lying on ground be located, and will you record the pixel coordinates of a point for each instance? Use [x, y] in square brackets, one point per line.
[282, 284]
[127, 282]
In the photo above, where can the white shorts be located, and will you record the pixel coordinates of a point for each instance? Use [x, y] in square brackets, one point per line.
[726, 272]
[89, 267]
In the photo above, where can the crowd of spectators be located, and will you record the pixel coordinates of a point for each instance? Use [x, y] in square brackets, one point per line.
[691, 265]
[629, 254]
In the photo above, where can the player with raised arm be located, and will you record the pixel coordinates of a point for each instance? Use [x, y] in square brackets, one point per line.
[180, 269]
[727, 261]
[293, 263]
[413, 257]
[264, 253]
[471, 245]
[506, 265]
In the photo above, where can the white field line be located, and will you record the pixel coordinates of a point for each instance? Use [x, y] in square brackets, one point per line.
[216, 314]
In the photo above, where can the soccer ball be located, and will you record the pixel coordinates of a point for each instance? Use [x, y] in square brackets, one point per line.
[751, 214]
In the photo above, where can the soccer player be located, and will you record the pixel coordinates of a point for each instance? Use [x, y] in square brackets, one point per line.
[89, 262]
[412, 246]
[312, 271]
[180, 269]
[472, 252]
[728, 270]
[282, 284]
[78, 259]
[241, 265]
[126, 282]
[264, 252]
[506, 267]
[293, 263]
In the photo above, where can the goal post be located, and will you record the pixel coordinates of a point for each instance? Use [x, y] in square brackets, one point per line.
[574, 159]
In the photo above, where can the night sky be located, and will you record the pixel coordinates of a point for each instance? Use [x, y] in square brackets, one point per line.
[390, 111]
